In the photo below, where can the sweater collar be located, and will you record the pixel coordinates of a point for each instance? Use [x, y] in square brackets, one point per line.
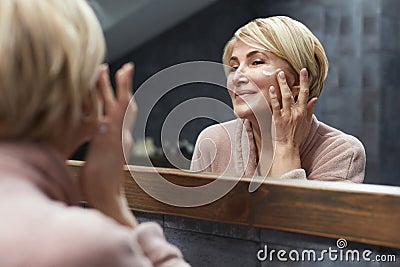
[245, 146]
[42, 166]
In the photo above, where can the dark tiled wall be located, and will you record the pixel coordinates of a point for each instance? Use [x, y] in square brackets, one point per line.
[362, 41]
[389, 92]
[209, 244]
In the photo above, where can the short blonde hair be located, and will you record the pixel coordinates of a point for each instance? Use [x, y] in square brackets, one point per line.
[49, 54]
[290, 40]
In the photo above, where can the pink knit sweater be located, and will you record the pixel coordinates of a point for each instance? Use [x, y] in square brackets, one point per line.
[42, 226]
[326, 154]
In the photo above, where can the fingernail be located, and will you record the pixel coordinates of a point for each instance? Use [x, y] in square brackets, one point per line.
[282, 75]
[272, 89]
[126, 66]
[105, 67]
[304, 72]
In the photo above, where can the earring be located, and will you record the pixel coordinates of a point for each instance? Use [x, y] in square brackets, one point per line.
[103, 128]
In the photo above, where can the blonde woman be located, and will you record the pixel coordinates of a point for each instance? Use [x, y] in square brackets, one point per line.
[54, 96]
[275, 71]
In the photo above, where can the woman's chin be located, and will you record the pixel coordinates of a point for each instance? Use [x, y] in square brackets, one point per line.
[243, 113]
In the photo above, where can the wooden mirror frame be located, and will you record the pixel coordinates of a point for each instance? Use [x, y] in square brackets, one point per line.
[362, 213]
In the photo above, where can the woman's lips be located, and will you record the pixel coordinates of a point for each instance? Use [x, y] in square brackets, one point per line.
[244, 93]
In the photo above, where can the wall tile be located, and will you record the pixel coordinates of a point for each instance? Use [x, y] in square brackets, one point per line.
[149, 217]
[209, 250]
[216, 229]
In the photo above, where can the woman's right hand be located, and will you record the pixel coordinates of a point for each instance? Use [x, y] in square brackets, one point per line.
[102, 178]
[292, 123]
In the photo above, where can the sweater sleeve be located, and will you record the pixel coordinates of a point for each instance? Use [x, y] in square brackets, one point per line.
[201, 160]
[356, 170]
[299, 174]
[72, 236]
[143, 246]
[342, 161]
[161, 254]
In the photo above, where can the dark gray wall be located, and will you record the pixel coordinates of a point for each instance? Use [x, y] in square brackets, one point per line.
[390, 94]
[209, 244]
[362, 41]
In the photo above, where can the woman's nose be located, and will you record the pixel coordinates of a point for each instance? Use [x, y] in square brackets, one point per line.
[239, 78]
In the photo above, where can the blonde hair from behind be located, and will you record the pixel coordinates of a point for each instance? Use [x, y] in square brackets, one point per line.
[50, 51]
[289, 40]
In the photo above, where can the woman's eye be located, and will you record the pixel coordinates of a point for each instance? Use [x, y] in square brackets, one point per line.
[257, 62]
[233, 68]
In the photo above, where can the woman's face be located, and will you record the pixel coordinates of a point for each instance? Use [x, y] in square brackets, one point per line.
[252, 71]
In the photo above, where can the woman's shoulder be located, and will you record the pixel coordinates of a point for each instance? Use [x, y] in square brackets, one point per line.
[332, 155]
[338, 140]
[219, 130]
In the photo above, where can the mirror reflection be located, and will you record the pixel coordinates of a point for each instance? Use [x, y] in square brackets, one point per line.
[359, 95]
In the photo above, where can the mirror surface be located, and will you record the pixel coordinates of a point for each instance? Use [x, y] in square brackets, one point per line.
[360, 96]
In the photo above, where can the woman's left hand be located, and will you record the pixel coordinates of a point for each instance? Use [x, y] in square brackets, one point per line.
[102, 178]
[292, 123]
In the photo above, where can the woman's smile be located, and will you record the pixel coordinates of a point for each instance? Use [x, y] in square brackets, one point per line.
[240, 94]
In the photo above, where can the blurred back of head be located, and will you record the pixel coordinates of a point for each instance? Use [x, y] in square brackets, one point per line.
[49, 51]
[290, 40]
